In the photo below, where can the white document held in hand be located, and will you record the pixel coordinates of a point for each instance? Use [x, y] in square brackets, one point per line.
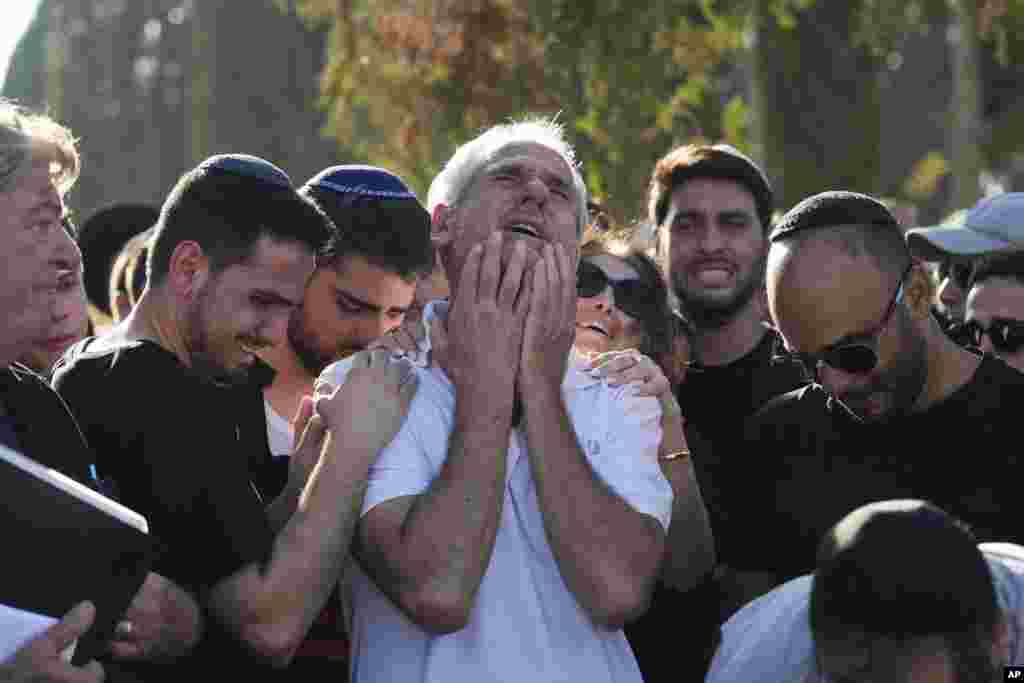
[17, 626]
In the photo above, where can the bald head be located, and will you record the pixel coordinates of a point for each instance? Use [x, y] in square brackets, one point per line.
[836, 268]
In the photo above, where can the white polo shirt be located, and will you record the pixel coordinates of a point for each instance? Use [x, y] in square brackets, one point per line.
[770, 641]
[526, 624]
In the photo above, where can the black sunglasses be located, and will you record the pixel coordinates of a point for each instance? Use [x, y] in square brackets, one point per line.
[1007, 335]
[857, 358]
[632, 296]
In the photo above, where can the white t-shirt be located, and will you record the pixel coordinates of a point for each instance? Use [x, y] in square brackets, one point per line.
[526, 625]
[769, 640]
[280, 434]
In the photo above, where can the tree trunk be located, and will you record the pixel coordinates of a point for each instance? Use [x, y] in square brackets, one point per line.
[965, 107]
[816, 101]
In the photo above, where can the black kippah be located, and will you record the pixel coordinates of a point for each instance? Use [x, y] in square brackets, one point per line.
[836, 207]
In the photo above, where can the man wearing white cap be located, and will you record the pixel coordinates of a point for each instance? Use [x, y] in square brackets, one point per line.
[995, 225]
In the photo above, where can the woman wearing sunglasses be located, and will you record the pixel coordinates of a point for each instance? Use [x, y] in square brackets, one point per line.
[994, 315]
[628, 332]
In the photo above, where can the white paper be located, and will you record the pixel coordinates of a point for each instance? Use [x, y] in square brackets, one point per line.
[17, 627]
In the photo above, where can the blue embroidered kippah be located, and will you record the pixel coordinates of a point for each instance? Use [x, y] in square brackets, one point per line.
[365, 181]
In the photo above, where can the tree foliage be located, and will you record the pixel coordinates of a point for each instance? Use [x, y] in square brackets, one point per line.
[411, 79]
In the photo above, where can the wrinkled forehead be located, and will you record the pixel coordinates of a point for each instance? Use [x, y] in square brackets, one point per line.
[819, 295]
[532, 154]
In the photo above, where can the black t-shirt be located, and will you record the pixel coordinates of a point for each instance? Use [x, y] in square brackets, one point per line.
[39, 425]
[809, 463]
[715, 401]
[175, 446]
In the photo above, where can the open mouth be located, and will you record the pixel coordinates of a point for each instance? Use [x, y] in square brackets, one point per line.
[594, 327]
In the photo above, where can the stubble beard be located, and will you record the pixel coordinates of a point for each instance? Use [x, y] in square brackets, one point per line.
[712, 313]
[203, 359]
[312, 360]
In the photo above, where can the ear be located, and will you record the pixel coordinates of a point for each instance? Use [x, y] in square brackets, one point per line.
[441, 226]
[919, 290]
[189, 270]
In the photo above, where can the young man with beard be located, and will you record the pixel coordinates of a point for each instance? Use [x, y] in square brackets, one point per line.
[361, 289]
[230, 258]
[518, 519]
[712, 207]
[895, 404]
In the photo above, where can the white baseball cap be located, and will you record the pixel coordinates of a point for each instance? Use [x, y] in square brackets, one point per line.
[992, 225]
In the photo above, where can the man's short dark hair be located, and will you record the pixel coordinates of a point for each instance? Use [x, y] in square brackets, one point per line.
[903, 571]
[720, 162]
[1009, 266]
[390, 233]
[227, 211]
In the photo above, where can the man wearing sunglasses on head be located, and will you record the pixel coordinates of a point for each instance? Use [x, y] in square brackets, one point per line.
[995, 307]
[895, 404]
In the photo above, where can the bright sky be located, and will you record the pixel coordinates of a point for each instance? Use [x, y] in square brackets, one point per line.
[15, 16]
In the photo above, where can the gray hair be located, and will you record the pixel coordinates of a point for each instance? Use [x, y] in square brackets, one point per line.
[25, 134]
[462, 169]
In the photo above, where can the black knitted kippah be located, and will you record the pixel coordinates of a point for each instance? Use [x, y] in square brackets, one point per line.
[836, 207]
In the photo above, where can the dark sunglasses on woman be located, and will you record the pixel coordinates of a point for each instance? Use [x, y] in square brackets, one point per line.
[632, 296]
[1007, 335]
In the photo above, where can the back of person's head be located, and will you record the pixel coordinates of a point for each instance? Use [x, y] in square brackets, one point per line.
[376, 216]
[892, 578]
[26, 135]
[1008, 266]
[663, 339]
[717, 162]
[227, 204]
[458, 175]
[855, 223]
[128, 275]
[102, 237]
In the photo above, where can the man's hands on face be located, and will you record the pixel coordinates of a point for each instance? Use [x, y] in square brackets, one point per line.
[551, 320]
[485, 329]
[40, 659]
[372, 403]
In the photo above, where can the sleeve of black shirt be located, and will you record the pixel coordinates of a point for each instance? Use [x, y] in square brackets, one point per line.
[171, 444]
